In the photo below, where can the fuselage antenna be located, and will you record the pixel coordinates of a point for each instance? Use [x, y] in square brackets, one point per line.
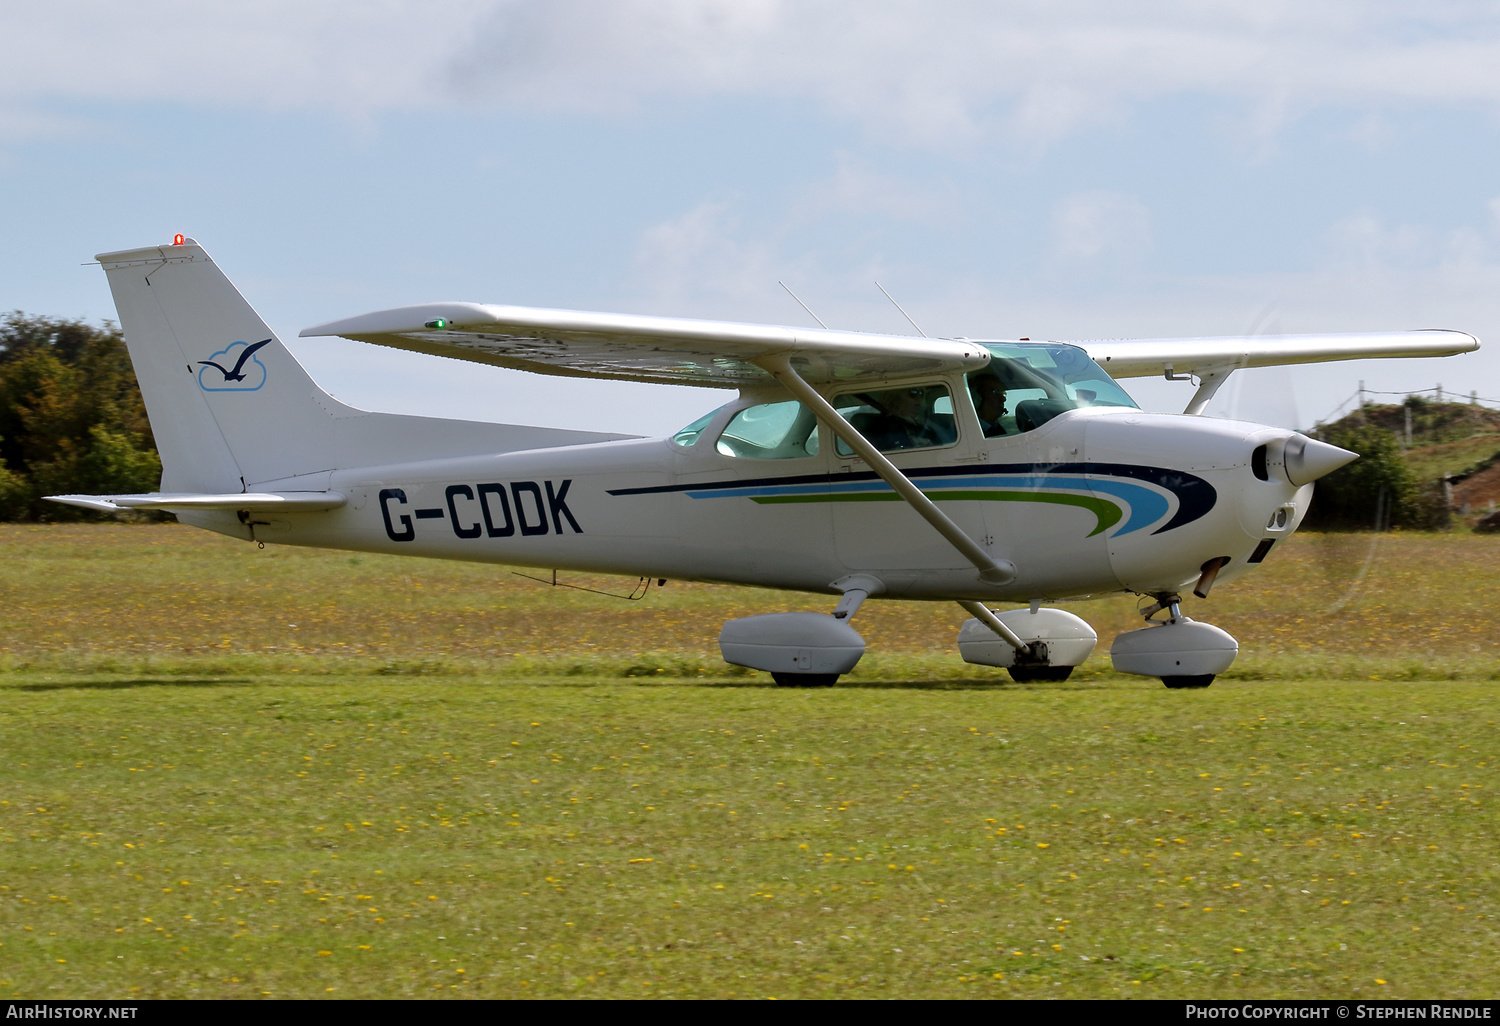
[803, 305]
[897, 305]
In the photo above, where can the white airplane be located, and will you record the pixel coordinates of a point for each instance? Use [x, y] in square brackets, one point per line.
[849, 464]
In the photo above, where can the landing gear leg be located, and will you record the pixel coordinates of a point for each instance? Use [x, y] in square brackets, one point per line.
[1172, 604]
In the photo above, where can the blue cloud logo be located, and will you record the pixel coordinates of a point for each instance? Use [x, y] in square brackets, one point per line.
[235, 368]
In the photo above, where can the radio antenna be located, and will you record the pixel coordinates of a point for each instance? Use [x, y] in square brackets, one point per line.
[802, 305]
[897, 305]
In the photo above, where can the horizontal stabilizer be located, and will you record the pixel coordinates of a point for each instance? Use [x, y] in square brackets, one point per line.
[288, 502]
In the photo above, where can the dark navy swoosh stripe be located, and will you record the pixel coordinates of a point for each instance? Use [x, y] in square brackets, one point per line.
[1195, 496]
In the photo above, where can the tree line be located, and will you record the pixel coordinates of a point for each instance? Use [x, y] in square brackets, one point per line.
[1379, 490]
[71, 417]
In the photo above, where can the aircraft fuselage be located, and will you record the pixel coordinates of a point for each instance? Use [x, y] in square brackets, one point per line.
[1095, 500]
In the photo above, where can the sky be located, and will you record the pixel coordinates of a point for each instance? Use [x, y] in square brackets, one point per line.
[1064, 169]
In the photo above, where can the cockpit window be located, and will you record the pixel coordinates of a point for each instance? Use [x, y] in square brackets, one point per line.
[771, 431]
[919, 417]
[689, 434]
[1028, 383]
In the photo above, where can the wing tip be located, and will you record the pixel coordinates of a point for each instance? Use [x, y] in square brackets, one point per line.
[1474, 343]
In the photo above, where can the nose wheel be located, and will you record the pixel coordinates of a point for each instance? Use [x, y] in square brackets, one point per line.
[805, 680]
[1198, 680]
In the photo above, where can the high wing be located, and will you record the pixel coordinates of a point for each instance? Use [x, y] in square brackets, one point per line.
[663, 350]
[722, 354]
[1134, 358]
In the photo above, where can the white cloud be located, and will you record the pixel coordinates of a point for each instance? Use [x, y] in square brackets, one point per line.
[696, 260]
[855, 188]
[709, 261]
[21, 122]
[1099, 223]
[348, 57]
[950, 70]
[1363, 240]
[934, 71]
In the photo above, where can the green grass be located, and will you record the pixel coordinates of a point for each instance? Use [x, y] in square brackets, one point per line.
[233, 772]
[164, 599]
[1431, 462]
[374, 838]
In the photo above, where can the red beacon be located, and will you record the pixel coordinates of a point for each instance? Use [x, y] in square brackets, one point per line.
[178, 240]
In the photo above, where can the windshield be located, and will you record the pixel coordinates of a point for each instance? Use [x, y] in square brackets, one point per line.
[1028, 383]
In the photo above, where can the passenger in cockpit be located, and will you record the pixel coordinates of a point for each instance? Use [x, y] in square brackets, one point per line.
[905, 421]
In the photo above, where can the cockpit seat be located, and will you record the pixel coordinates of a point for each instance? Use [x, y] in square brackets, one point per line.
[1033, 413]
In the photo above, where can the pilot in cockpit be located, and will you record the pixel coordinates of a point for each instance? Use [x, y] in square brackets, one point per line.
[988, 394]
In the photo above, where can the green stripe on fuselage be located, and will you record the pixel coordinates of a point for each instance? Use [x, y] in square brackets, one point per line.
[1107, 513]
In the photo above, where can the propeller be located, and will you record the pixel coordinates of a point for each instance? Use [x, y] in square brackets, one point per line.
[1346, 561]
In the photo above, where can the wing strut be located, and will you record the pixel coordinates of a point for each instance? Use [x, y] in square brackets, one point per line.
[991, 571]
[1209, 380]
[985, 615]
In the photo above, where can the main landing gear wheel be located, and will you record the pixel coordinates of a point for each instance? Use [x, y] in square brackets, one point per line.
[1028, 674]
[805, 680]
[1199, 680]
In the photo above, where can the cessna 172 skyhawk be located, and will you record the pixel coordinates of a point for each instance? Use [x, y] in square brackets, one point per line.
[850, 464]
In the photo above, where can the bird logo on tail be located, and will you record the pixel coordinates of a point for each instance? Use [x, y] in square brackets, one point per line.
[238, 378]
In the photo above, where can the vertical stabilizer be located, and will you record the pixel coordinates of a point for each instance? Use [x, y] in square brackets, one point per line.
[232, 409]
[229, 405]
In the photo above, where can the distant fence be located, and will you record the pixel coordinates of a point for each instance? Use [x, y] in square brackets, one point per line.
[1362, 397]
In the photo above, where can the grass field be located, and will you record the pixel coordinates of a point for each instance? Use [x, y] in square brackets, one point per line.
[234, 772]
[168, 599]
